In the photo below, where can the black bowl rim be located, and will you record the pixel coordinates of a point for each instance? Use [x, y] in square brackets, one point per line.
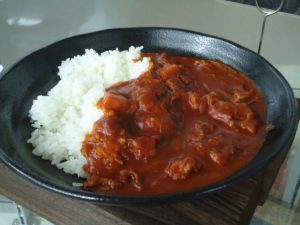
[162, 198]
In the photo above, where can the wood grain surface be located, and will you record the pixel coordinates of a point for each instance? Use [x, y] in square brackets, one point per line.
[231, 206]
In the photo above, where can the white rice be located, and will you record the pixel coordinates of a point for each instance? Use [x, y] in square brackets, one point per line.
[66, 114]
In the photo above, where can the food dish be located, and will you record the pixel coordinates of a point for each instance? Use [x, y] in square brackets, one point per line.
[148, 123]
[183, 124]
[64, 115]
[15, 128]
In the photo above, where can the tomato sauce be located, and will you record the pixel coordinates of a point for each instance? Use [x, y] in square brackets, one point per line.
[183, 124]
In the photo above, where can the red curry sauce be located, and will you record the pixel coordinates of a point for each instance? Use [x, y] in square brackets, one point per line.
[183, 124]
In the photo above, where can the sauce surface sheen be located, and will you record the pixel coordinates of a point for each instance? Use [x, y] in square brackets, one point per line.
[184, 124]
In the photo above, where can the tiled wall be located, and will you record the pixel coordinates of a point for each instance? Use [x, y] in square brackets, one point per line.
[289, 6]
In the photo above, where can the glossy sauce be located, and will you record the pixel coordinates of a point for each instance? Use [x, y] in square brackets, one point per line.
[184, 124]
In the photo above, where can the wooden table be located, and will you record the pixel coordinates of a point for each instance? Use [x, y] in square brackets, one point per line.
[234, 205]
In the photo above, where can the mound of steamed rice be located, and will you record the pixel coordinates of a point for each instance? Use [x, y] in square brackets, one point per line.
[67, 113]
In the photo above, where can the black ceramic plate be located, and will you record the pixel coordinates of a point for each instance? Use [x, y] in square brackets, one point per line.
[36, 74]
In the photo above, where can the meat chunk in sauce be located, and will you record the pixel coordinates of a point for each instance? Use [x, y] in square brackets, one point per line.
[174, 128]
[169, 71]
[115, 102]
[221, 158]
[142, 148]
[131, 176]
[234, 115]
[155, 125]
[180, 169]
[101, 183]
